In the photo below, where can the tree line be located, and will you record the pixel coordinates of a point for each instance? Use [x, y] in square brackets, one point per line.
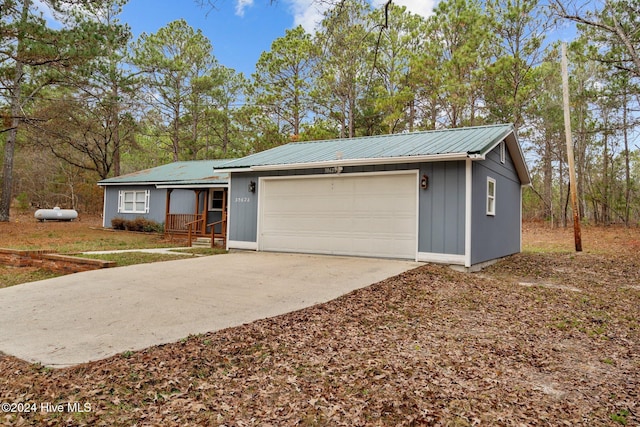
[86, 101]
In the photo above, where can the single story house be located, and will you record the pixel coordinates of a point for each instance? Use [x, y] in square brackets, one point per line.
[448, 196]
[177, 194]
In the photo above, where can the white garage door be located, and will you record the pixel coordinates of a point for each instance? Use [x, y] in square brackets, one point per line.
[364, 215]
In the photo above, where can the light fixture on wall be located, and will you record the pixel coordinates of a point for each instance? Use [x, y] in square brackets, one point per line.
[424, 182]
[252, 187]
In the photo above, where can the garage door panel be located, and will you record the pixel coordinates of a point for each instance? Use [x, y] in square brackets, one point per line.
[367, 215]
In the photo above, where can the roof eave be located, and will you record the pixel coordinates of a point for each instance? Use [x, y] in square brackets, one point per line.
[106, 184]
[167, 184]
[208, 185]
[518, 160]
[515, 150]
[352, 162]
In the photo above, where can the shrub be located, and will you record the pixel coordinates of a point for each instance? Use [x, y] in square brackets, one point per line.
[137, 224]
[153, 227]
[118, 223]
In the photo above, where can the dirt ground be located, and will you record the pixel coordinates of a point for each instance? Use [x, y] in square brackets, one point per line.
[25, 232]
[546, 337]
[24, 224]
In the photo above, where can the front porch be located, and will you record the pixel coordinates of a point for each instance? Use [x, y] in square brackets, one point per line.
[209, 219]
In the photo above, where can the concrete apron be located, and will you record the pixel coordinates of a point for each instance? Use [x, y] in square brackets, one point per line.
[88, 316]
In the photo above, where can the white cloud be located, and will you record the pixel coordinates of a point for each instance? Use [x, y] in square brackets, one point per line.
[308, 13]
[241, 5]
[419, 7]
[42, 7]
[57, 19]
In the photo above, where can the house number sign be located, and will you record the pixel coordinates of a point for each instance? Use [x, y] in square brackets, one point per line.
[333, 169]
[243, 199]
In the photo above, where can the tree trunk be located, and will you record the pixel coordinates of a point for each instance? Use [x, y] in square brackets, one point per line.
[115, 117]
[605, 175]
[547, 173]
[627, 162]
[175, 134]
[10, 142]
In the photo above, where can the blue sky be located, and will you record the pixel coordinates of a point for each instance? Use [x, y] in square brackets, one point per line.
[240, 30]
[237, 40]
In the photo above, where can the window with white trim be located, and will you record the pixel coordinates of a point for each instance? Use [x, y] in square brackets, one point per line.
[133, 201]
[491, 196]
[503, 152]
[216, 200]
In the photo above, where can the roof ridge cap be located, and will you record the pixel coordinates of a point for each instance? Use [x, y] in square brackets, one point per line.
[419, 132]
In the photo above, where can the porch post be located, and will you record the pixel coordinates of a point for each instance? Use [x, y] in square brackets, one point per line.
[166, 211]
[197, 209]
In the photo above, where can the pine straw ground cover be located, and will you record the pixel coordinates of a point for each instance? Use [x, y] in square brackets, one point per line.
[547, 337]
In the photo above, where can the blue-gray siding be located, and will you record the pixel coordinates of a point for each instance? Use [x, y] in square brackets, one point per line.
[441, 211]
[441, 226]
[243, 208]
[157, 203]
[183, 201]
[495, 236]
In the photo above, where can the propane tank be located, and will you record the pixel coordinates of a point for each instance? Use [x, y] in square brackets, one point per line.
[56, 214]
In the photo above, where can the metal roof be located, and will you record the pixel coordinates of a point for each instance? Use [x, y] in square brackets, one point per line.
[472, 140]
[176, 174]
[448, 144]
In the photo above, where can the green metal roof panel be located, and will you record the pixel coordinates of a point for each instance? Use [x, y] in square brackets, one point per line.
[177, 173]
[471, 140]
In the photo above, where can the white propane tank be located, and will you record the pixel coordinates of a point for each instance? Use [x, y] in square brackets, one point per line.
[56, 214]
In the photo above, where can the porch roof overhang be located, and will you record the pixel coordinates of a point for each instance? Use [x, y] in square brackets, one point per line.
[173, 185]
[187, 174]
[193, 186]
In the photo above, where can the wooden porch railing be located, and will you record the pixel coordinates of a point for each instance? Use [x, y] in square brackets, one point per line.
[194, 225]
[179, 223]
[223, 231]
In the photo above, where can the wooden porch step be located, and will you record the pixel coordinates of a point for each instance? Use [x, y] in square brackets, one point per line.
[201, 242]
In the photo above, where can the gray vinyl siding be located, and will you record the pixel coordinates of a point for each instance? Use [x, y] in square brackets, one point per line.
[182, 202]
[499, 235]
[243, 208]
[442, 207]
[441, 220]
[157, 203]
[214, 216]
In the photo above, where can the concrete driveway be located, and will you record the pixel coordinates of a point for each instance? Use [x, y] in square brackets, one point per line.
[92, 315]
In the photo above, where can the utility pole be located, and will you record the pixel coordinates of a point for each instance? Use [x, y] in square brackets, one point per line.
[570, 156]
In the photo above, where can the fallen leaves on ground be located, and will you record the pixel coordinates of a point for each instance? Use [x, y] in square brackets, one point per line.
[540, 338]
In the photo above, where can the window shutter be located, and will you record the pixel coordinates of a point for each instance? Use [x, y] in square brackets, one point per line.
[120, 201]
[147, 195]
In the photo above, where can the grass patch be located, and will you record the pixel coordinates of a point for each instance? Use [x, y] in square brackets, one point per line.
[10, 276]
[202, 251]
[132, 258]
[620, 417]
[85, 240]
